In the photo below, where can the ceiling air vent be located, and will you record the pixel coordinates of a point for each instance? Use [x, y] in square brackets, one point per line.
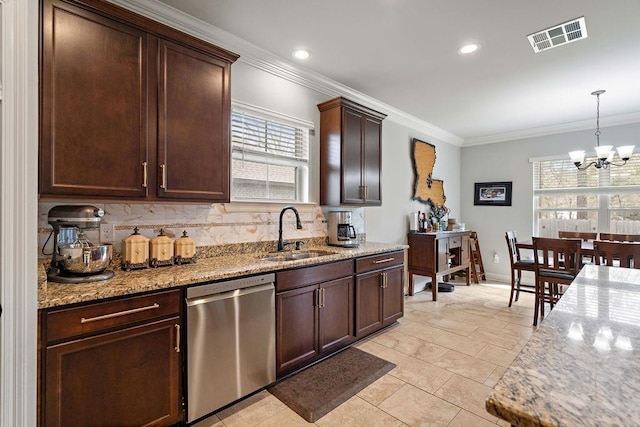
[558, 35]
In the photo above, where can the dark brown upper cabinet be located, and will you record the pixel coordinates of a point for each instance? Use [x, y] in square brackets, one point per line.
[350, 153]
[130, 108]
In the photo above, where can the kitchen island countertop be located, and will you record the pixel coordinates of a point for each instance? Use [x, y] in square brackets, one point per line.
[581, 367]
[205, 270]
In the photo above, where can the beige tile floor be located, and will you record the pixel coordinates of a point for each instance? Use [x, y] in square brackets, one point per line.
[448, 353]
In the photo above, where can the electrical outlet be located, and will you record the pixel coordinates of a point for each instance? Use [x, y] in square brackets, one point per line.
[496, 258]
[107, 233]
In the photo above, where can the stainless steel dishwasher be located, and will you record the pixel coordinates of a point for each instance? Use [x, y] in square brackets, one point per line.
[231, 345]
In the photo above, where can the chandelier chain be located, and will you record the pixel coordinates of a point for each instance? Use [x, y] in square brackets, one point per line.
[597, 120]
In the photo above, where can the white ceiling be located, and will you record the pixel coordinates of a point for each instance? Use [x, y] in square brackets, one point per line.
[404, 53]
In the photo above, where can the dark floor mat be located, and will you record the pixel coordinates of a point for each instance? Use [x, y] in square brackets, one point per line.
[317, 390]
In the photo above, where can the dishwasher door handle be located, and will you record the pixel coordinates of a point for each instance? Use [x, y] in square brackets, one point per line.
[229, 294]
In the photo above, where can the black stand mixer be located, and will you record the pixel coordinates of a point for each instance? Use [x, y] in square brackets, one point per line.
[75, 259]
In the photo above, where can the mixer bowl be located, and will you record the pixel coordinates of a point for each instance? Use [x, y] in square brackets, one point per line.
[84, 260]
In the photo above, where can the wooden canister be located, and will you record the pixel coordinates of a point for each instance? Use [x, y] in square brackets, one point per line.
[184, 249]
[136, 251]
[161, 250]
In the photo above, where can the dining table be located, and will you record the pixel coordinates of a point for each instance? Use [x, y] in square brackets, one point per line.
[582, 365]
[586, 246]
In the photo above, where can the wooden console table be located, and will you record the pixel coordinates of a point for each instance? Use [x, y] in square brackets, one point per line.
[438, 254]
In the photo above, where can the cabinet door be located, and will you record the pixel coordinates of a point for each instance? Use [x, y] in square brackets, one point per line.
[371, 162]
[336, 314]
[368, 303]
[137, 382]
[94, 105]
[465, 250]
[193, 124]
[443, 254]
[393, 295]
[296, 328]
[352, 192]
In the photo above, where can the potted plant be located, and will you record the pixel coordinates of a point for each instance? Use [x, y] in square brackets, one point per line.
[438, 212]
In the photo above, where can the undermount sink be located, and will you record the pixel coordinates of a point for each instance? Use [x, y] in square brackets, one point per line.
[292, 256]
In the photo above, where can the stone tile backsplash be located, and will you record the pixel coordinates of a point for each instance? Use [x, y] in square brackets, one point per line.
[207, 224]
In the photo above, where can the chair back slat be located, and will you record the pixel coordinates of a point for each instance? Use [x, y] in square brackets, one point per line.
[557, 254]
[512, 239]
[627, 254]
[620, 237]
[577, 235]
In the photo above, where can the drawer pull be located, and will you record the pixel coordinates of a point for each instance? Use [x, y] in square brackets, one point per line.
[119, 313]
[382, 261]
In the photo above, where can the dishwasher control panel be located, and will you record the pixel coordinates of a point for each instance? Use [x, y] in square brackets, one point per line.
[230, 285]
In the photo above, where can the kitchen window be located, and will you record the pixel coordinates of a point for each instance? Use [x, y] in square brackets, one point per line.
[269, 155]
[593, 200]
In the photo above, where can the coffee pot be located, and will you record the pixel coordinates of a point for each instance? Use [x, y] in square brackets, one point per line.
[341, 231]
[75, 259]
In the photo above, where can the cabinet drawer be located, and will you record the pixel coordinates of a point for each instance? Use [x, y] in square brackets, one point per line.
[455, 242]
[90, 318]
[292, 279]
[375, 262]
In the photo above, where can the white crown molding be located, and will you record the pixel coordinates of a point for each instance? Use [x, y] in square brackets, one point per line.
[260, 58]
[623, 119]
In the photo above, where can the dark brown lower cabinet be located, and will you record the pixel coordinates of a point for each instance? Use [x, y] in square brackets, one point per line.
[313, 321]
[379, 293]
[125, 372]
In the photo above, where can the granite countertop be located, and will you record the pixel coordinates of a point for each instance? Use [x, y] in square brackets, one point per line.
[582, 365]
[208, 269]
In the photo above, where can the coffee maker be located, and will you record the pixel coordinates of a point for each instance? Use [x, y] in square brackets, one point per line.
[341, 232]
[75, 259]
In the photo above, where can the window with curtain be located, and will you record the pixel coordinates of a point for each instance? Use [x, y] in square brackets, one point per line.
[269, 159]
[593, 200]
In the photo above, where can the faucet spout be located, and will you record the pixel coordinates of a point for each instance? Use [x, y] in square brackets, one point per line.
[298, 225]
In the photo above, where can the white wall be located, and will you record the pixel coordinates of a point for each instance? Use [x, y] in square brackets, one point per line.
[509, 161]
[389, 222]
[259, 88]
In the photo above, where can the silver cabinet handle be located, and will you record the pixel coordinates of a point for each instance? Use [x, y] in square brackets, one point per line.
[382, 261]
[163, 172]
[324, 297]
[177, 347]
[366, 192]
[119, 313]
[145, 176]
[318, 302]
[383, 280]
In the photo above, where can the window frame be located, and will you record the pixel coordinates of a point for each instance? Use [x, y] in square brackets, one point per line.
[604, 191]
[301, 164]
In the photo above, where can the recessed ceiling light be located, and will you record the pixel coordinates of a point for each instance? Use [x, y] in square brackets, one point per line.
[301, 54]
[469, 48]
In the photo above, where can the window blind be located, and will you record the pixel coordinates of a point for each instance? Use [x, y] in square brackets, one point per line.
[261, 136]
[561, 176]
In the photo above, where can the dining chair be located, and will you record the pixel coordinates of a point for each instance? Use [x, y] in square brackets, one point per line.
[577, 235]
[518, 265]
[586, 236]
[620, 237]
[557, 263]
[619, 254]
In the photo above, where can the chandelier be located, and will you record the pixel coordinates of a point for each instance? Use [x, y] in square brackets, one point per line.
[604, 153]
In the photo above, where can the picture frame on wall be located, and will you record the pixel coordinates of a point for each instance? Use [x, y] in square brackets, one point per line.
[492, 193]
